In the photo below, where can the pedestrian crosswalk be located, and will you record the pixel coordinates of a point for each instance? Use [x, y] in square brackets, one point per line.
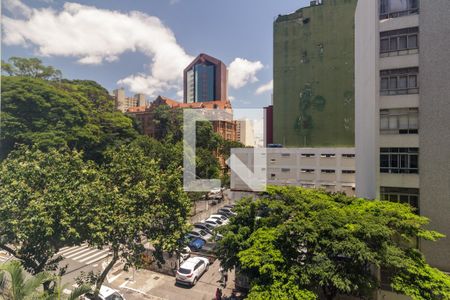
[84, 254]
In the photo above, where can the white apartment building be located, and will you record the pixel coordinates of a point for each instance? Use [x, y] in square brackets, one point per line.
[402, 110]
[332, 169]
[244, 132]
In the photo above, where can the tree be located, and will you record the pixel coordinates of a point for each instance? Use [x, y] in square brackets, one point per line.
[142, 202]
[78, 114]
[43, 197]
[30, 67]
[315, 242]
[16, 286]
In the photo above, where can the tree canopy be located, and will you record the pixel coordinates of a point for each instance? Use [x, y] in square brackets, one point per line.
[293, 241]
[30, 67]
[78, 114]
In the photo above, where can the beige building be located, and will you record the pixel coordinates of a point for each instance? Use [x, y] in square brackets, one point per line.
[244, 132]
[332, 169]
[402, 110]
[123, 103]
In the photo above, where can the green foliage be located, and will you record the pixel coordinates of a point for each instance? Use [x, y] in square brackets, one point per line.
[326, 244]
[30, 67]
[78, 114]
[18, 286]
[43, 204]
[140, 201]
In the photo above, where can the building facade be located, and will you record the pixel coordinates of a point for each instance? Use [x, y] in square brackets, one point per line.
[205, 79]
[332, 169]
[244, 132]
[313, 94]
[145, 115]
[402, 74]
[122, 102]
[268, 125]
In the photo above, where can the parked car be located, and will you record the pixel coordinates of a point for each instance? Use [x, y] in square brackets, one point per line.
[214, 222]
[185, 253]
[200, 233]
[191, 270]
[222, 218]
[228, 213]
[230, 206]
[205, 226]
[106, 293]
[194, 243]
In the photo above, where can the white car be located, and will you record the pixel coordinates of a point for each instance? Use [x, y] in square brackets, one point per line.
[185, 253]
[191, 270]
[106, 293]
[221, 218]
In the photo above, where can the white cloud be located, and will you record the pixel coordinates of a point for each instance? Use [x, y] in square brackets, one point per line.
[264, 88]
[231, 98]
[17, 8]
[242, 71]
[94, 36]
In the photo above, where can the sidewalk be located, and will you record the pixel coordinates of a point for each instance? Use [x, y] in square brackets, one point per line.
[145, 284]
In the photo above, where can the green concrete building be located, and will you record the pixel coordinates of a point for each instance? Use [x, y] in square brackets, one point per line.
[313, 76]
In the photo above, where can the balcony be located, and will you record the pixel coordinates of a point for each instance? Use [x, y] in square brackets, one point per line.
[398, 8]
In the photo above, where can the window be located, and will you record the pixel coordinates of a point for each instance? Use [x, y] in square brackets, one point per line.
[307, 171]
[308, 155]
[327, 171]
[403, 195]
[398, 8]
[399, 121]
[285, 170]
[399, 160]
[328, 155]
[397, 42]
[348, 155]
[348, 171]
[399, 81]
[285, 154]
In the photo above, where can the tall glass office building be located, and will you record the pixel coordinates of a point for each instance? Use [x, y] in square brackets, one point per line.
[205, 79]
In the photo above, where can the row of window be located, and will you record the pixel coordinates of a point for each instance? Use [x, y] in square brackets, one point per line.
[399, 40]
[398, 8]
[399, 121]
[402, 195]
[309, 155]
[399, 160]
[323, 171]
[399, 81]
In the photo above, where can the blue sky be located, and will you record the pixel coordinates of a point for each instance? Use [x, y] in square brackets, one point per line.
[145, 43]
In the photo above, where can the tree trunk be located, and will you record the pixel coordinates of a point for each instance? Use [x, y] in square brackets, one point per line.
[105, 272]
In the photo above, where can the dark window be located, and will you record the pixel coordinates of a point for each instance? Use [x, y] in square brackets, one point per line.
[398, 8]
[399, 81]
[396, 42]
[348, 155]
[399, 160]
[403, 195]
[327, 171]
[348, 171]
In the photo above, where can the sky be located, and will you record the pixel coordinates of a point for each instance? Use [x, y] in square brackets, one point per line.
[144, 45]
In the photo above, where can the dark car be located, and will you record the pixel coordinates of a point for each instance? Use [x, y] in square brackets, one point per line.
[205, 226]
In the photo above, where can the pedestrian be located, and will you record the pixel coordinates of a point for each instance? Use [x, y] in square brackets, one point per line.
[218, 294]
[222, 274]
[225, 277]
